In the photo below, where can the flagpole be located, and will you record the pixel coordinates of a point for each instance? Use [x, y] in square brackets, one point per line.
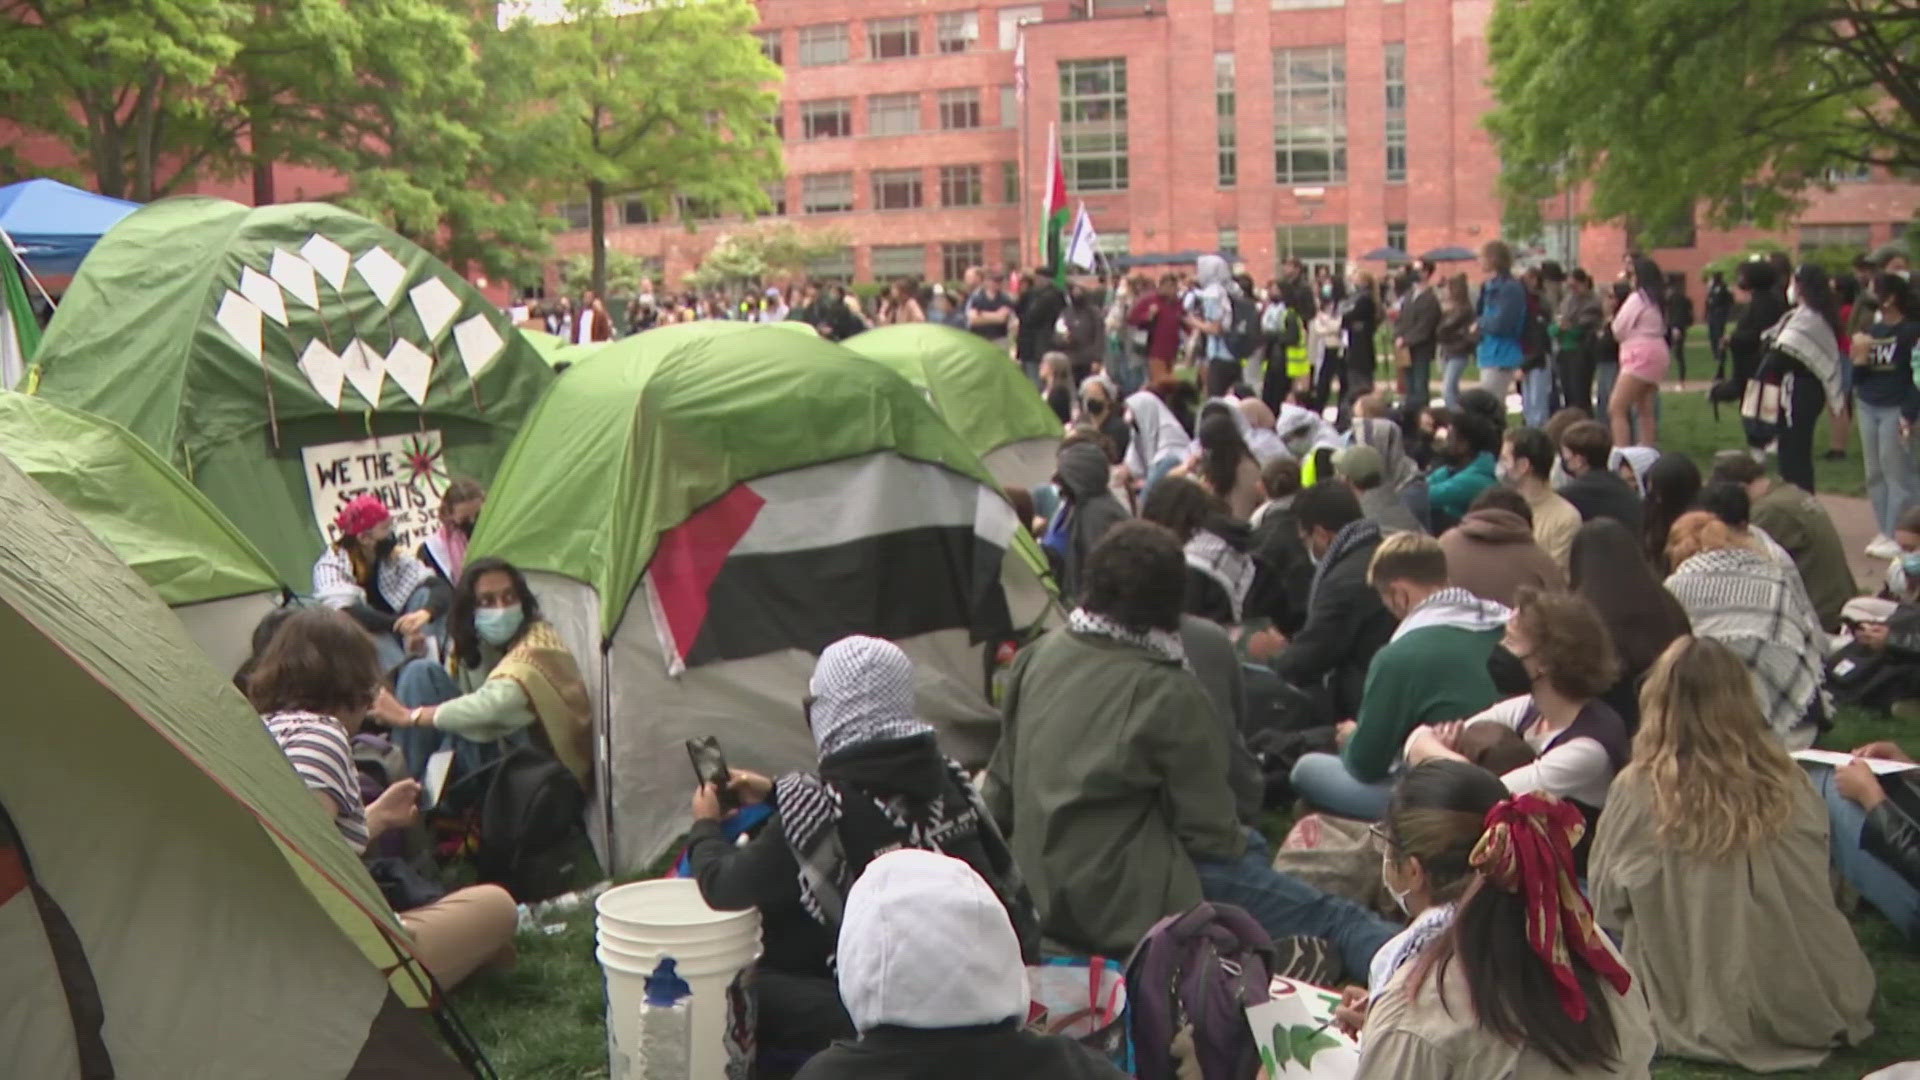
[1023, 90]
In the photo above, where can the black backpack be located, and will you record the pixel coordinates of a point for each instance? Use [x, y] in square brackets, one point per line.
[1241, 335]
[1536, 338]
[531, 826]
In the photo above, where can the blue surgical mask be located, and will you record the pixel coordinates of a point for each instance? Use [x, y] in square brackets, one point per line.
[1910, 562]
[496, 626]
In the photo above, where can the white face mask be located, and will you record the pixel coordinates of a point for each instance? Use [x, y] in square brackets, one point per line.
[1399, 895]
[1502, 473]
[1793, 292]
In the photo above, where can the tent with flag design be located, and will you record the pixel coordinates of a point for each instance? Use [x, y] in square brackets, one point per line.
[287, 358]
[173, 902]
[978, 391]
[702, 508]
[215, 580]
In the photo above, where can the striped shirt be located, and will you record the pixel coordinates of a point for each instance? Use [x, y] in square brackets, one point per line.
[317, 747]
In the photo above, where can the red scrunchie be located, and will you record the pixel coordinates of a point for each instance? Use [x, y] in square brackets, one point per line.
[1528, 849]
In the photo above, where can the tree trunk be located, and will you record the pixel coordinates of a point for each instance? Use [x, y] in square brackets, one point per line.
[259, 148]
[597, 229]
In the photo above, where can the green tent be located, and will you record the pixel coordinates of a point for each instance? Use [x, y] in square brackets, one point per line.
[177, 541]
[217, 923]
[701, 508]
[558, 350]
[287, 358]
[979, 390]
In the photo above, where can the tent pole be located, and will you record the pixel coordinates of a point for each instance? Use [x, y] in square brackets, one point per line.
[25, 269]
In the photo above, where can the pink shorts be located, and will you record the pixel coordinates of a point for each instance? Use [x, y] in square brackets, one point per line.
[1645, 359]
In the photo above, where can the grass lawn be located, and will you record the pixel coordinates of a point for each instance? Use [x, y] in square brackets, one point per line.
[544, 1020]
[1687, 425]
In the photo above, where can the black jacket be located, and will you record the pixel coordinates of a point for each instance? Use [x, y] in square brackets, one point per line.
[1419, 323]
[764, 874]
[1598, 493]
[1346, 625]
[1286, 568]
[1216, 663]
[1892, 832]
[1003, 1052]
[1744, 347]
[1038, 309]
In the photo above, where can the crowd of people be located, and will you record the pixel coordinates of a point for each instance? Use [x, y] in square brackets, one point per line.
[1556, 675]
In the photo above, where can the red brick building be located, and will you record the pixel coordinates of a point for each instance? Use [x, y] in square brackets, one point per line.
[1318, 128]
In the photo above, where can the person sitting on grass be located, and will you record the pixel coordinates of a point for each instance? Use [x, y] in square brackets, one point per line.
[1711, 866]
[1111, 781]
[313, 685]
[1522, 984]
[1468, 450]
[1492, 552]
[1526, 463]
[509, 673]
[1802, 526]
[1874, 821]
[387, 591]
[1433, 670]
[882, 784]
[1425, 839]
[931, 972]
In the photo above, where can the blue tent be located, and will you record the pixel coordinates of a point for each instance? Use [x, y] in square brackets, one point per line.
[53, 226]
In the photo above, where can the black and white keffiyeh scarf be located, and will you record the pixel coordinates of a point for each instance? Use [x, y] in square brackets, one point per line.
[1232, 569]
[1161, 643]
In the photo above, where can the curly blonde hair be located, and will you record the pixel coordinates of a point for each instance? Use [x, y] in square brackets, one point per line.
[1721, 782]
[1696, 531]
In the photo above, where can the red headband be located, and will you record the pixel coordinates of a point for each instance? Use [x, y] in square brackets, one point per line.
[362, 513]
[1528, 849]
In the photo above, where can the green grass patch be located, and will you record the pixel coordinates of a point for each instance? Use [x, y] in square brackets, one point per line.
[1687, 425]
[545, 1018]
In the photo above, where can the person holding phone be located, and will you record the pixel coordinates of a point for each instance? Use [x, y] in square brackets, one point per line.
[313, 684]
[882, 785]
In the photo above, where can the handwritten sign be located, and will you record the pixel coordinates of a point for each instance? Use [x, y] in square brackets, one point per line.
[406, 472]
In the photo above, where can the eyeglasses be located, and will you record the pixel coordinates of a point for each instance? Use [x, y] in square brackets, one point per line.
[1382, 842]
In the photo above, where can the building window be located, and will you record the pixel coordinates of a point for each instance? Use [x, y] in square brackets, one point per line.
[1310, 115]
[777, 196]
[891, 39]
[1295, 5]
[1010, 182]
[1397, 235]
[694, 208]
[957, 31]
[957, 259]
[959, 109]
[1010, 253]
[779, 124]
[1314, 245]
[634, 211]
[960, 185]
[769, 44]
[1009, 106]
[1226, 138]
[823, 45]
[893, 114]
[1093, 124]
[826, 193]
[1115, 244]
[1852, 237]
[1849, 174]
[1395, 57]
[1012, 17]
[1229, 241]
[890, 261]
[830, 119]
[896, 189]
[577, 214]
[835, 266]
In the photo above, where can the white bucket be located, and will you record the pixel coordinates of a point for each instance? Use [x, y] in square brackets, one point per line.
[637, 925]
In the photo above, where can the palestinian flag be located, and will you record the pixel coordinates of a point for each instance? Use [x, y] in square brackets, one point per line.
[879, 544]
[1053, 212]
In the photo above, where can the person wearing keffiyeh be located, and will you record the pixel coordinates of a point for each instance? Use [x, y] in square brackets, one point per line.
[386, 590]
[1523, 984]
[882, 785]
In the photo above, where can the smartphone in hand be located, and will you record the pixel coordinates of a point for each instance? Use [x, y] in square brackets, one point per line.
[710, 767]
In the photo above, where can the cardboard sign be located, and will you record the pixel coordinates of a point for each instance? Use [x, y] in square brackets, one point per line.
[407, 472]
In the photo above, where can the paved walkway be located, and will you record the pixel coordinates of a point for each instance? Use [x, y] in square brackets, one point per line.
[1854, 520]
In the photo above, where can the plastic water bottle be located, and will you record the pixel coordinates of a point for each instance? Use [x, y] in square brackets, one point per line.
[666, 1027]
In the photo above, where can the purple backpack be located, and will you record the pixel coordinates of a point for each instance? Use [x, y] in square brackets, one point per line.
[1202, 968]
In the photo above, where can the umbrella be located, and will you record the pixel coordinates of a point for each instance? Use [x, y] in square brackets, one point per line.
[1449, 254]
[1385, 254]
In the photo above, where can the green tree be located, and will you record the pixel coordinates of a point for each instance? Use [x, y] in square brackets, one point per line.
[670, 104]
[1661, 107]
[751, 255]
[624, 273]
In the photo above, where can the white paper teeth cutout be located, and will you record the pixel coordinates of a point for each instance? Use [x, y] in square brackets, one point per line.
[328, 259]
[382, 273]
[479, 343]
[266, 295]
[435, 304]
[241, 320]
[410, 369]
[366, 370]
[326, 372]
[295, 275]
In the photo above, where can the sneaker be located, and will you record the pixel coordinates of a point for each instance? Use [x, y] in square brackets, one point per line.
[1882, 547]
